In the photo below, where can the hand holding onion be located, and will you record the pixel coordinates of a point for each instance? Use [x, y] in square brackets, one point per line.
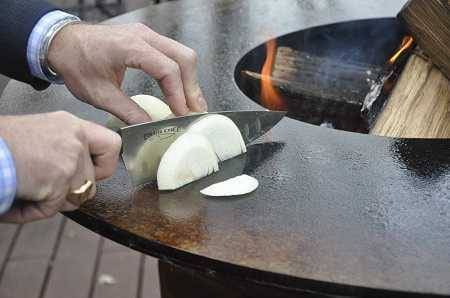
[92, 60]
[195, 154]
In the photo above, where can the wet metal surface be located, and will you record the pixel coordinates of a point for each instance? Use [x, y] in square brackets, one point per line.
[335, 212]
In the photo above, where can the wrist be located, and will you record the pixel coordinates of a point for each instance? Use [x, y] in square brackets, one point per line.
[40, 39]
[61, 45]
[49, 69]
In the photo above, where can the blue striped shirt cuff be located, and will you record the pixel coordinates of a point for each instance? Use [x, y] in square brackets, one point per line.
[37, 38]
[8, 182]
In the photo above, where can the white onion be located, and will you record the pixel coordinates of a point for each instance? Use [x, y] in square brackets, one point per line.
[189, 158]
[154, 107]
[236, 186]
[223, 134]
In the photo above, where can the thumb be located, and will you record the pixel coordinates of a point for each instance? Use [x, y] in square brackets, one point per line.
[117, 103]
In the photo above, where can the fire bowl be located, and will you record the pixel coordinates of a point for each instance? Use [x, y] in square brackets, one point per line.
[323, 74]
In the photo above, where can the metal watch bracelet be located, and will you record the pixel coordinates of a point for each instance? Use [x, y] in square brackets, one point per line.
[51, 75]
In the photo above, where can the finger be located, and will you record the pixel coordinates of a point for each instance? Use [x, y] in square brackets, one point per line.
[187, 61]
[104, 147]
[23, 212]
[163, 69]
[116, 102]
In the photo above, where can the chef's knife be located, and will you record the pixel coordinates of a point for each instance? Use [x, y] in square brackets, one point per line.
[144, 144]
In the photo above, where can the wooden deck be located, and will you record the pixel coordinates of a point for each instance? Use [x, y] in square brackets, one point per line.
[58, 258]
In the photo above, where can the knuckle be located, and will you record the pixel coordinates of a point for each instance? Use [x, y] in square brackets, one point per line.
[122, 41]
[80, 135]
[190, 56]
[171, 69]
[63, 115]
[78, 149]
[72, 160]
[59, 192]
[67, 170]
[140, 27]
[116, 142]
[134, 54]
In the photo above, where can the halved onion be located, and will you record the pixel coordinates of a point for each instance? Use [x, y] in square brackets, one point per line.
[155, 108]
[189, 158]
[236, 186]
[223, 134]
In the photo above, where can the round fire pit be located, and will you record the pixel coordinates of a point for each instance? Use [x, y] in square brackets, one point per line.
[321, 75]
[336, 213]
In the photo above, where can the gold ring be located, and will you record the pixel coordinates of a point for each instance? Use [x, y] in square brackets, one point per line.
[80, 195]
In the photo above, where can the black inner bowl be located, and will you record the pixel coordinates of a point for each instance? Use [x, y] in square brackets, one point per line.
[327, 71]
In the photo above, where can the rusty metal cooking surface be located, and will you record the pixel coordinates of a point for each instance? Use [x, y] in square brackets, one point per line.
[336, 212]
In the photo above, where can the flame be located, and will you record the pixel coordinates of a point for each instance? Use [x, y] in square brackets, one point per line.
[406, 44]
[270, 98]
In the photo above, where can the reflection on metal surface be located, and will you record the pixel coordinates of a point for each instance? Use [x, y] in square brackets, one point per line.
[184, 212]
[145, 144]
[410, 156]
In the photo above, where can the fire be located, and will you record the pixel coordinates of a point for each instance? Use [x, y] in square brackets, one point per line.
[406, 44]
[270, 98]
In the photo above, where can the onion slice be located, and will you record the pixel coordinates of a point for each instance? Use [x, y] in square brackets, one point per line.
[223, 134]
[236, 186]
[189, 158]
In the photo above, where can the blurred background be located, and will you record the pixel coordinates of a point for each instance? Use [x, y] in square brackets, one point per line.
[98, 10]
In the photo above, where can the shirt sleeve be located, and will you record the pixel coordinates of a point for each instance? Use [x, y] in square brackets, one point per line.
[37, 38]
[8, 180]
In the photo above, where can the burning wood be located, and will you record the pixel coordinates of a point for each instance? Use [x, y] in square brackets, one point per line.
[386, 80]
[312, 88]
[407, 44]
[419, 106]
[270, 98]
[350, 95]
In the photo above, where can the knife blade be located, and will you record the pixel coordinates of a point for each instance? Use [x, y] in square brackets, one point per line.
[143, 145]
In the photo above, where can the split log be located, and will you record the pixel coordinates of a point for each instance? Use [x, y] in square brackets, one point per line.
[419, 105]
[321, 77]
[312, 105]
[319, 90]
[428, 21]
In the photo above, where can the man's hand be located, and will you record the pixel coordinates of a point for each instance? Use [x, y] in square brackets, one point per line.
[54, 154]
[92, 60]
